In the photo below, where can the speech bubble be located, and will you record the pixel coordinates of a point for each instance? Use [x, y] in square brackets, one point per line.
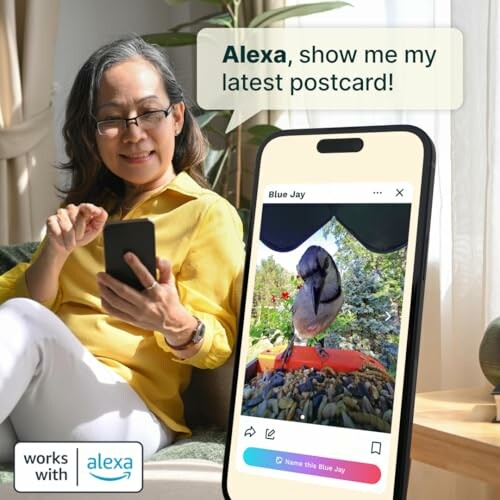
[249, 70]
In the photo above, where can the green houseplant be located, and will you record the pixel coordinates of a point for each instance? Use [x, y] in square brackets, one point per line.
[223, 166]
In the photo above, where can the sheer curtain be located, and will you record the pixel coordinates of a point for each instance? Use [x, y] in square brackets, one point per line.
[461, 294]
[248, 10]
[27, 174]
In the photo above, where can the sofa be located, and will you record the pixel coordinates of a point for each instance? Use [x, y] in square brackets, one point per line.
[191, 468]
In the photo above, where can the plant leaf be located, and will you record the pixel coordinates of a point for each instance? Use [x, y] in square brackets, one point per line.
[221, 20]
[262, 128]
[210, 19]
[171, 39]
[205, 118]
[282, 13]
[257, 141]
[261, 132]
[173, 3]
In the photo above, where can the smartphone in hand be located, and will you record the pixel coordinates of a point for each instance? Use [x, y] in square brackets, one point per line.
[325, 369]
[134, 235]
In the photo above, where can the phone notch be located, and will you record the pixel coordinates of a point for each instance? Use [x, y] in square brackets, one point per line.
[348, 145]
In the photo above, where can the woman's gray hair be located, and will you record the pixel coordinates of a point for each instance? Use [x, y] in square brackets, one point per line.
[89, 175]
[123, 50]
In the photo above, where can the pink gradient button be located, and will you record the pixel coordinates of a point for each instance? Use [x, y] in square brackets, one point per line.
[310, 464]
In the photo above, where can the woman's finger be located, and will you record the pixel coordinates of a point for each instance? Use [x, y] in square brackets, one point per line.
[99, 220]
[80, 224]
[165, 269]
[140, 270]
[54, 229]
[118, 313]
[122, 290]
[67, 229]
[72, 211]
[90, 221]
[91, 209]
[96, 215]
[116, 301]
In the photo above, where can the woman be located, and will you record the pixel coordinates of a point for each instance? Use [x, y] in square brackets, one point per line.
[103, 361]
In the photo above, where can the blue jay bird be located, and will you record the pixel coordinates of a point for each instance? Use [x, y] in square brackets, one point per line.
[320, 298]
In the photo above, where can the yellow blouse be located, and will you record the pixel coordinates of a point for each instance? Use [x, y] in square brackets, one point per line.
[200, 233]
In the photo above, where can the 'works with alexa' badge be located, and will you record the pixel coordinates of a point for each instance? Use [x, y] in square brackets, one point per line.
[78, 466]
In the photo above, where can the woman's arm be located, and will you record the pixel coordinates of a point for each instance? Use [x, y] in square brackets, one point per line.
[209, 283]
[42, 277]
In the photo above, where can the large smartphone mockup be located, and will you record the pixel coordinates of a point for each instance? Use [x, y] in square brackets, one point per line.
[325, 372]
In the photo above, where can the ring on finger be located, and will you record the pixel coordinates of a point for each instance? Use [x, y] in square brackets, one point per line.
[152, 286]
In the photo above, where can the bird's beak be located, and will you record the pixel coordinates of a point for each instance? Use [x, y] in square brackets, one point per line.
[316, 293]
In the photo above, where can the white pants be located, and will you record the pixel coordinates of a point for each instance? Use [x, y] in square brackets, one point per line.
[53, 389]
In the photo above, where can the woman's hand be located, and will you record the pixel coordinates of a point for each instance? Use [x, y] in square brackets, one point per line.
[157, 308]
[74, 226]
[71, 227]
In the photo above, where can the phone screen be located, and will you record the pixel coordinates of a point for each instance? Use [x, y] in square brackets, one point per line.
[324, 384]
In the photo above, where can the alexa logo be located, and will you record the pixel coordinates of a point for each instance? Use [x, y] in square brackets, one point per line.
[110, 468]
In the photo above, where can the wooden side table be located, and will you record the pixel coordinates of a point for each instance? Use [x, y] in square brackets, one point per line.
[453, 430]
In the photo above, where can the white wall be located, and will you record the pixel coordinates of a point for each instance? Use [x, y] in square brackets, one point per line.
[85, 25]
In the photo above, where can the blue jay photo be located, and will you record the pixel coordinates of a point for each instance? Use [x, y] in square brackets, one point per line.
[320, 298]
[325, 323]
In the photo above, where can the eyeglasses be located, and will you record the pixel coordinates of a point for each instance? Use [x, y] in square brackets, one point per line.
[149, 120]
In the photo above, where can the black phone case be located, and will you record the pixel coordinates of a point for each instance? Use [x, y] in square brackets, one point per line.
[418, 284]
[134, 235]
